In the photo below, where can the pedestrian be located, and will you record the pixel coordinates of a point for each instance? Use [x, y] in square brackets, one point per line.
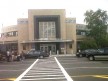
[18, 56]
[22, 55]
[79, 50]
[13, 57]
[8, 56]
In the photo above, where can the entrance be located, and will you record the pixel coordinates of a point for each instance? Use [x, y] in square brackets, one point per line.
[48, 48]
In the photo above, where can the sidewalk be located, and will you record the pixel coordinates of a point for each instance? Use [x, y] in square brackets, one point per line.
[63, 55]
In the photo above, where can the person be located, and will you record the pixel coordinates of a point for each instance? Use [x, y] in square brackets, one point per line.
[22, 55]
[8, 56]
[18, 57]
[79, 50]
[13, 57]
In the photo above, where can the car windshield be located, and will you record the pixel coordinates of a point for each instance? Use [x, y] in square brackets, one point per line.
[30, 52]
[101, 50]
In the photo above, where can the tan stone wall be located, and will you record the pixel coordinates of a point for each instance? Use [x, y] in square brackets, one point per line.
[71, 34]
[9, 29]
[32, 13]
[23, 35]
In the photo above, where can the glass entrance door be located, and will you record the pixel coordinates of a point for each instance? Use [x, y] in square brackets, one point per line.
[44, 48]
[48, 48]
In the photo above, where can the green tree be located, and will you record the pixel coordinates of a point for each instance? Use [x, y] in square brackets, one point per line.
[97, 23]
[88, 43]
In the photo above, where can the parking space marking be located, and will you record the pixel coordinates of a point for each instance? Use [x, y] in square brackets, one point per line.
[26, 71]
[63, 70]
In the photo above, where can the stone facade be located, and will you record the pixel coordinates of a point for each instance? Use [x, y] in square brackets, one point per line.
[44, 29]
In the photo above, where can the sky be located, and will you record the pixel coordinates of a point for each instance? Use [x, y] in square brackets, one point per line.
[10, 10]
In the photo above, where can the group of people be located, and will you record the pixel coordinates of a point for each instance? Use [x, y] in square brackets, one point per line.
[13, 56]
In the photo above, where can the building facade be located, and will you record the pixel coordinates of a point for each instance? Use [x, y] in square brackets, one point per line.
[80, 34]
[45, 29]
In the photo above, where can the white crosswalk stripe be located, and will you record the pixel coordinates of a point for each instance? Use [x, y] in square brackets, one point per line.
[44, 70]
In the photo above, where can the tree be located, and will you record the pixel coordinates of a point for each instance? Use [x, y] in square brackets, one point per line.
[97, 23]
[88, 43]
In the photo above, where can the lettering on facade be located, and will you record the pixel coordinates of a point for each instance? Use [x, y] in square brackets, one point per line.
[71, 21]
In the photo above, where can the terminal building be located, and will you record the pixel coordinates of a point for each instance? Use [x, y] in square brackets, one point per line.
[44, 29]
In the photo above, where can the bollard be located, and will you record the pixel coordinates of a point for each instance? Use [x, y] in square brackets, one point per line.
[50, 52]
[57, 52]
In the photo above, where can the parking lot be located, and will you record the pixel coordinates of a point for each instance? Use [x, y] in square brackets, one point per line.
[79, 69]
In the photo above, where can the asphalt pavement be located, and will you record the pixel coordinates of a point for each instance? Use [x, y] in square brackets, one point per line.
[9, 71]
[78, 69]
[81, 69]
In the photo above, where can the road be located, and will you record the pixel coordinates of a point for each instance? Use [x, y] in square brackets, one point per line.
[79, 69]
[9, 71]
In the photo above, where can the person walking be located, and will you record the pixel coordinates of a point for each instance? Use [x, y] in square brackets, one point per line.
[8, 56]
[22, 55]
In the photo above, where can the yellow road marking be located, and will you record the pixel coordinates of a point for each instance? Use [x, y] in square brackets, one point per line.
[12, 79]
[98, 76]
[105, 76]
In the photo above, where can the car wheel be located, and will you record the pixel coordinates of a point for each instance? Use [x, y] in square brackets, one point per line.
[41, 57]
[91, 58]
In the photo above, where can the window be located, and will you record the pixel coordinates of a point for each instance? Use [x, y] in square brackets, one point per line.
[47, 30]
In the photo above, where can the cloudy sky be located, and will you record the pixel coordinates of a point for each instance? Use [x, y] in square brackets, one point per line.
[10, 10]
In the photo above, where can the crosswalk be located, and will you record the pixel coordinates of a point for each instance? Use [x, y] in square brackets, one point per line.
[43, 70]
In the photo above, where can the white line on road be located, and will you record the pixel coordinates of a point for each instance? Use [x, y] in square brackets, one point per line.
[37, 79]
[45, 71]
[19, 78]
[43, 75]
[63, 70]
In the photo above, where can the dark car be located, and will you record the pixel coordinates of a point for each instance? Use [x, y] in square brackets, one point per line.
[36, 54]
[83, 53]
[101, 53]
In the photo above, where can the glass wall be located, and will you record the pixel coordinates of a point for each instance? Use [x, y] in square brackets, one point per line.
[47, 29]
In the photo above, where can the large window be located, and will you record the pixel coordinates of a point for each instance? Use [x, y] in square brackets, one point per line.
[47, 29]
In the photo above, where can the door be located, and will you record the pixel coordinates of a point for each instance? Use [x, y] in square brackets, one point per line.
[44, 48]
[48, 48]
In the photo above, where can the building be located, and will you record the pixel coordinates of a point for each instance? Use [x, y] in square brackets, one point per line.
[44, 29]
[80, 34]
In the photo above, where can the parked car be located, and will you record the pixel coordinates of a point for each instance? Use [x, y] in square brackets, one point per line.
[84, 52]
[99, 53]
[36, 54]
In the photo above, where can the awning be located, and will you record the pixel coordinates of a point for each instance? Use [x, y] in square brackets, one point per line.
[8, 42]
[46, 41]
